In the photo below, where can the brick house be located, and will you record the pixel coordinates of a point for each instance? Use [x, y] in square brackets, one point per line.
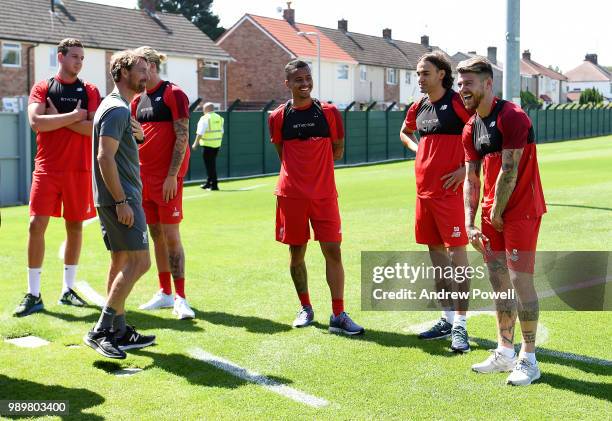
[544, 83]
[28, 51]
[589, 74]
[262, 47]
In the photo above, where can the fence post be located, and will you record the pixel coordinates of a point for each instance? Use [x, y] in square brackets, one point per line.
[368, 130]
[346, 111]
[264, 143]
[387, 129]
[229, 137]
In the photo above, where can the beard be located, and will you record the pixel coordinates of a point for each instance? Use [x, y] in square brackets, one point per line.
[137, 85]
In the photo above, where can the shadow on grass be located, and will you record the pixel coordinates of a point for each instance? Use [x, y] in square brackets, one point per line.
[139, 319]
[250, 323]
[78, 399]
[398, 340]
[195, 371]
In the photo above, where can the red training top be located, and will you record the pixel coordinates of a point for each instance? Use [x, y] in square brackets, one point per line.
[156, 110]
[506, 127]
[64, 149]
[307, 164]
[440, 151]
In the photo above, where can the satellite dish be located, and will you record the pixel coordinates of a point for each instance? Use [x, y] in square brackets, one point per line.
[279, 9]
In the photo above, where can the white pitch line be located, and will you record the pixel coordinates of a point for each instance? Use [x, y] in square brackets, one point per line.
[90, 293]
[256, 186]
[253, 377]
[196, 196]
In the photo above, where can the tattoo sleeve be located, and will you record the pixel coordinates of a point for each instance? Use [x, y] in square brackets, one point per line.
[471, 191]
[181, 130]
[300, 277]
[506, 180]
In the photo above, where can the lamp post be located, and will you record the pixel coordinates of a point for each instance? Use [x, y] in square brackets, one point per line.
[304, 34]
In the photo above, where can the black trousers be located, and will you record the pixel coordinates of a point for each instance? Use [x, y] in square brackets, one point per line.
[210, 162]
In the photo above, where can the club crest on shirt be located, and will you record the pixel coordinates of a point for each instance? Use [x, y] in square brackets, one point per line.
[456, 232]
[492, 124]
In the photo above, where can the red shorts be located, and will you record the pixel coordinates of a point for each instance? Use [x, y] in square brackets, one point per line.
[440, 221]
[518, 241]
[292, 216]
[155, 208]
[71, 190]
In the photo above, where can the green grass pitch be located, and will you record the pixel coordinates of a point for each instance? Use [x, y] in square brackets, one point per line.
[238, 280]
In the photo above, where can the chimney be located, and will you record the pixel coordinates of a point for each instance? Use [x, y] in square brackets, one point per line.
[591, 57]
[526, 55]
[492, 54]
[289, 14]
[472, 53]
[387, 33]
[149, 5]
[343, 25]
[425, 41]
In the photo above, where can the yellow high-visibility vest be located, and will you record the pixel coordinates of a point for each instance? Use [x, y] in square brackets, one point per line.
[213, 135]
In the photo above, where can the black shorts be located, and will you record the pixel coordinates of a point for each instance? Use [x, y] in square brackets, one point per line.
[118, 237]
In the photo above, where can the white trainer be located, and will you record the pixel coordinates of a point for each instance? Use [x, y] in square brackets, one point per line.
[524, 373]
[159, 300]
[496, 363]
[182, 309]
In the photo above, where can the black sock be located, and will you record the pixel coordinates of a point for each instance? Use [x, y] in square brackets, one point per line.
[106, 319]
[119, 325]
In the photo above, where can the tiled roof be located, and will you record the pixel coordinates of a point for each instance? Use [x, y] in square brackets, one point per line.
[104, 27]
[302, 46]
[588, 72]
[533, 68]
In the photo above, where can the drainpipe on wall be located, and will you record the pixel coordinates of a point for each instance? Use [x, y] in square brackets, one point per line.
[225, 86]
[29, 61]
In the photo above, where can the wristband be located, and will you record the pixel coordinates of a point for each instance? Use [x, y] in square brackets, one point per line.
[121, 202]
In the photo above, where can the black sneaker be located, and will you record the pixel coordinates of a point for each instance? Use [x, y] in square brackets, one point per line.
[104, 343]
[71, 298]
[30, 304]
[460, 342]
[134, 340]
[440, 330]
[205, 186]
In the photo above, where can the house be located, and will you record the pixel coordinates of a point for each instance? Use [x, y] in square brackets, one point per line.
[589, 74]
[498, 71]
[386, 70]
[544, 83]
[30, 32]
[262, 47]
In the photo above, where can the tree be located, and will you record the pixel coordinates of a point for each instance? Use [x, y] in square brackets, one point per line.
[197, 11]
[591, 96]
[529, 100]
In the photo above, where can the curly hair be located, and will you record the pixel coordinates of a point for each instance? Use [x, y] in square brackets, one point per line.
[124, 60]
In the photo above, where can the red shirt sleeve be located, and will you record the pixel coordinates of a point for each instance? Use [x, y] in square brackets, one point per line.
[460, 109]
[275, 125]
[93, 97]
[177, 101]
[514, 125]
[468, 143]
[134, 105]
[334, 120]
[411, 116]
[38, 95]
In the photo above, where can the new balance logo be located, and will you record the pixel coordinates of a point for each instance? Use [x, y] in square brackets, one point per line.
[79, 89]
[492, 124]
[158, 99]
[145, 239]
[134, 337]
[444, 107]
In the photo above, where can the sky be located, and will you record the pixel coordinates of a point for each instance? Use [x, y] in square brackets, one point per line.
[557, 32]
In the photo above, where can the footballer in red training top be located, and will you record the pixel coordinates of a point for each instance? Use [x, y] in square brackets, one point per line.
[309, 136]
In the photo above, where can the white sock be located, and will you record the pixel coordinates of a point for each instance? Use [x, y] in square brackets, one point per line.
[530, 356]
[69, 277]
[34, 281]
[506, 352]
[460, 320]
[449, 315]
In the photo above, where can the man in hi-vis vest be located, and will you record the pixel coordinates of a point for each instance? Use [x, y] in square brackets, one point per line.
[209, 135]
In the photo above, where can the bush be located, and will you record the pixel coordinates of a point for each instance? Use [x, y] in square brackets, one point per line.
[591, 96]
[529, 100]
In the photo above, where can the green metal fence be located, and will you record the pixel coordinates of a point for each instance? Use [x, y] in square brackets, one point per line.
[370, 136]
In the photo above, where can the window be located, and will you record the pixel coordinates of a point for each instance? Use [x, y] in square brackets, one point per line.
[52, 57]
[163, 69]
[408, 77]
[363, 73]
[343, 70]
[211, 70]
[391, 77]
[11, 54]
